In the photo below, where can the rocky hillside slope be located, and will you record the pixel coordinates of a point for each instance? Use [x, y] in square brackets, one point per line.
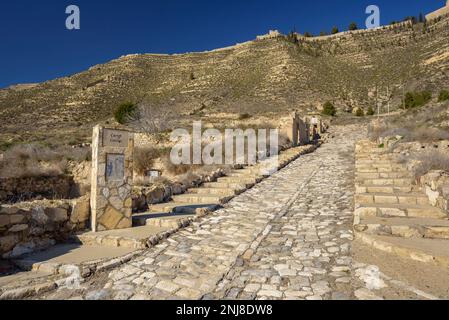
[261, 76]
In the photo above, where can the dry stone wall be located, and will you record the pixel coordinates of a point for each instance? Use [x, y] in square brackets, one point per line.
[436, 186]
[32, 226]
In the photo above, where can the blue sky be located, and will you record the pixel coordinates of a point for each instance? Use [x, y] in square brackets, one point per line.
[35, 45]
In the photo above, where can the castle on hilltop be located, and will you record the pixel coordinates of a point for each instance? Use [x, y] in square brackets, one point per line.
[439, 12]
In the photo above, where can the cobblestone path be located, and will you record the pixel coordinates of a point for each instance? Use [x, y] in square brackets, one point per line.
[289, 237]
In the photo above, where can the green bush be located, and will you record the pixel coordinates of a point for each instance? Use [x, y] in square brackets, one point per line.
[444, 96]
[329, 109]
[124, 111]
[353, 26]
[335, 30]
[417, 99]
[370, 112]
[359, 112]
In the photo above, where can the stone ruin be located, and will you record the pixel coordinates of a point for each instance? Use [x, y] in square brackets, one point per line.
[438, 13]
[297, 130]
[112, 179]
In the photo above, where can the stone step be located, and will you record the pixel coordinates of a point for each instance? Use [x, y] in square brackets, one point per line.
[375, 162]
[403, 182]
[405, 227]
[198, 198]
[383, 175]
[242, 174]
[386, 189]
[239, 180]
[398, 210]
[164, 220]
[215, 191]
[382, 170]
[222, 185]
[412, 198]
[187, 208]
[432, 251]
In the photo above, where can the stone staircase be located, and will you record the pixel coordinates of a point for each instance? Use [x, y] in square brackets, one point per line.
[394, 215]
[213, 195]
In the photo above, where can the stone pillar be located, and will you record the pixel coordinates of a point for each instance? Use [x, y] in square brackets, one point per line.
[291, 129]
[112, 174]
[304, 133]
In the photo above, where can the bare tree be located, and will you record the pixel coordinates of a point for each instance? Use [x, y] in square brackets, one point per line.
[152, 119]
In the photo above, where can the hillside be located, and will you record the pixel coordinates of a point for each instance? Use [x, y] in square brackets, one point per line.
[262, 76]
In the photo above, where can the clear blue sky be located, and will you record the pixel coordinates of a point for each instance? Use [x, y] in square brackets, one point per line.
[35, 45]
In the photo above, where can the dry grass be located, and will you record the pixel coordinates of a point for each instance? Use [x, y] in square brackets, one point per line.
[32, 160]
[433, 160]
[144, 158]
[409, 134]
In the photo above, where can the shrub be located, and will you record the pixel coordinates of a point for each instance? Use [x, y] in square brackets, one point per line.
[144, 158]
[443, 96]
[433, 160]
[335, 30]
[124, 112]
[329, 109]
[308, 35]
[417, 99]
[244, 116]
[370, 112]
[359, 112]
[353, 26]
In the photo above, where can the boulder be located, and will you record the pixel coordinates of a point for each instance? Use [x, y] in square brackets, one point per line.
[81, 210]
[155, 195]
[39, 217]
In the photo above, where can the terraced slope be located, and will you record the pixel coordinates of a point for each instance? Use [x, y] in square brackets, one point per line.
[262, 76]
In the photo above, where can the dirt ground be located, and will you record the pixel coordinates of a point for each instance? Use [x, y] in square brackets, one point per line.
[426, 277]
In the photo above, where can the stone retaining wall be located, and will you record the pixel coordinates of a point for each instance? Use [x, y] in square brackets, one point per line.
[33, 226]
[25, 189]
[436, 186]
[143, 196]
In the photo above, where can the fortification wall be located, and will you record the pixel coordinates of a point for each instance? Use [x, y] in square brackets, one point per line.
[439, 12]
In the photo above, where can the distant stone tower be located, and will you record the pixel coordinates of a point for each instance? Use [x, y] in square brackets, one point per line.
[439, 12]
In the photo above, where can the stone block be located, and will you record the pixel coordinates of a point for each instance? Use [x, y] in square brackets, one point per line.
[9, 210]
[57, 215]
[7, 243]
[38, 216]
[18, 228]
[110, 218]
[386, 199]
[4, 220]
[364, 199]
[81, 210]
[405, 232]
[366, 212]
[17, 218]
